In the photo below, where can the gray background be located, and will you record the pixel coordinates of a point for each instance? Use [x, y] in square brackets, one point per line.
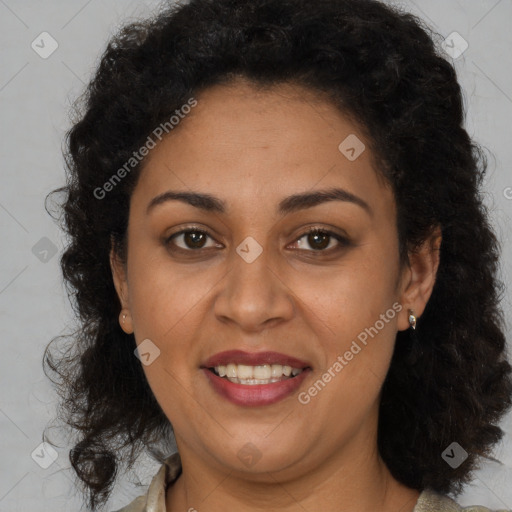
[35, 95]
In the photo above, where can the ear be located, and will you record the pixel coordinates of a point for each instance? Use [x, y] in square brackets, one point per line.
[119, 277]
[419, 277]
[121, 285]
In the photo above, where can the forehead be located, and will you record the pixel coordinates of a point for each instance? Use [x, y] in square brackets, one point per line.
[242, 142]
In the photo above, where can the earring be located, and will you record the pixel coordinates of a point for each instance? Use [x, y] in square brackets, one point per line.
[416, 351]
[125, 321]
[412, 319]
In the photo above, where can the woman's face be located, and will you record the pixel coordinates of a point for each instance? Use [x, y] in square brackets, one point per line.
[258, 282]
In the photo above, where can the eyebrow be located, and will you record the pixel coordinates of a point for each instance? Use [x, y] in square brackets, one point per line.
[290, 204]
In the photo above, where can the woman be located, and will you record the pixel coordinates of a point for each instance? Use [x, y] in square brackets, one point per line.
[280, 258]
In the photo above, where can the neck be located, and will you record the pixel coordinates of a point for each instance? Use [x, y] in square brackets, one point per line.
[354, 479]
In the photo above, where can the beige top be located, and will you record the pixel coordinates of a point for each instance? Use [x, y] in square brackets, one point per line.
[154, 499]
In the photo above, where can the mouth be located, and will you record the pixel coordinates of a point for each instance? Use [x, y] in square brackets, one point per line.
[255, 375]
[254, 379]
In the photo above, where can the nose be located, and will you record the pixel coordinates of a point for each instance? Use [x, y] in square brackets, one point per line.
[254, 295]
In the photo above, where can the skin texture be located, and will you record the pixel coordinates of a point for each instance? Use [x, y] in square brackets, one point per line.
[251, 149]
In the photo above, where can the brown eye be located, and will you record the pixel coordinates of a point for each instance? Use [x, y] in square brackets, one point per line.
[190, 239]
[194, 239]
[320, 239]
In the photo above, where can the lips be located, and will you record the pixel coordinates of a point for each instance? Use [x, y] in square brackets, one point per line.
[254, 395]
[253, 359]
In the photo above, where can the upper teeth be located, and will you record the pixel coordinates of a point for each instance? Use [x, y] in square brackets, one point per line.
[264, 371]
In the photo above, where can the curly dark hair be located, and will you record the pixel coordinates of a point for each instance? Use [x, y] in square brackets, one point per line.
[381, 67]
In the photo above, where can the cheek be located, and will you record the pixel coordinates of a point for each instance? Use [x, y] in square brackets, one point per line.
[352, 296]
[166, 307]
[164, 296]
[358, 308]
[349, 385]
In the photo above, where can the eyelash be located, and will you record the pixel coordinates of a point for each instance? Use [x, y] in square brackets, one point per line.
[343, 241]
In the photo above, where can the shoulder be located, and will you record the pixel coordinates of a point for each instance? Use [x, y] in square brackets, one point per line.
[137, 505]
[154, 499]
[431, 501]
